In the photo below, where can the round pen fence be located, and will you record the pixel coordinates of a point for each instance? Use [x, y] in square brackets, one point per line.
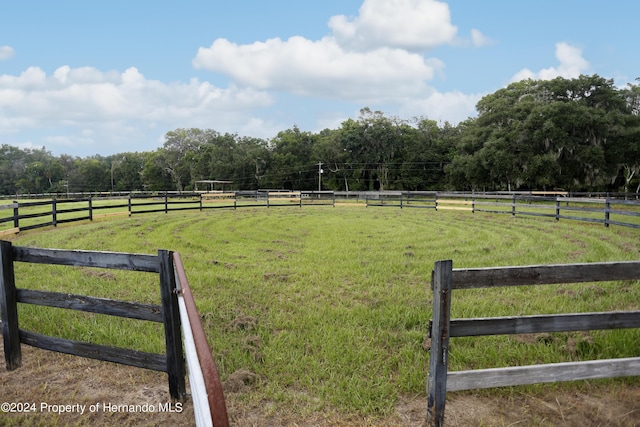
[184, 333]
[616, 209]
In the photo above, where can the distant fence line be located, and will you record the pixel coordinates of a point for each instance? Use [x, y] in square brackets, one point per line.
[442, 327]
[618, 209]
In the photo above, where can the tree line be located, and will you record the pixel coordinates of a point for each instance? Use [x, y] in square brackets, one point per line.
[579, 134]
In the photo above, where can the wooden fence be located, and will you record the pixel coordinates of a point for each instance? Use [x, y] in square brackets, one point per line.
[167, 313]
[22, 216]
[602, 209]
[445, 279]
[177, 310]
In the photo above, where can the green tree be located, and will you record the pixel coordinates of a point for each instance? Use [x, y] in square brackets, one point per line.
[329, 151]
[292, 165]
[155, 176]
[126, 171]
[374, 143]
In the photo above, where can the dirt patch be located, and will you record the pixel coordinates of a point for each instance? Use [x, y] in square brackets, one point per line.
[242, 322]
[106, 275]
[117, 394]
[59, 379]
[240, 381]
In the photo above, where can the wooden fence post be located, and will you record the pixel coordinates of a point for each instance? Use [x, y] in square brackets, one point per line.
[54, 212]
[557, 208]
[16, 214]
[9, 308]
[176, 370]
[607, 211]
[439, 355]
[90, 208]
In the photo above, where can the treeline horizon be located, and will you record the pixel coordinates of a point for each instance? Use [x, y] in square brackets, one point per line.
[579, 134]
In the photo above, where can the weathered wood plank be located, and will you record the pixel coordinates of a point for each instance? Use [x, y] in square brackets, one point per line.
[131, 310]
[113, 260]
[9, 309]
[34, 215]
[8, 206]
[439, 355]
[534, 374]
[13, 230]
[139, 359]
[544, 323]
[545, 274]
[176, 369]
[30, 204]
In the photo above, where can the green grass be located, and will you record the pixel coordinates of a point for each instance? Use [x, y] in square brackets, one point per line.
[329, 307]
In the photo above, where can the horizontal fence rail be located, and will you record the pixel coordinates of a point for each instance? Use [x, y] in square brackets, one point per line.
[621, 210]
[172, 362]
[177, 311]
[445, 279]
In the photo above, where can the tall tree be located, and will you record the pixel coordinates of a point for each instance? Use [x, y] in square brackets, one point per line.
[292, 164]
[374, 143]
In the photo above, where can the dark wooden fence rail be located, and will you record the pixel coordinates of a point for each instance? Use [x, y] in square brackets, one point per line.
[46, 213]
[167, 312]
[445, 279]
[605, 210]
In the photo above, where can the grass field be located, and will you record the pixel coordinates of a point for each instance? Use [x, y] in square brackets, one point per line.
[327, 308]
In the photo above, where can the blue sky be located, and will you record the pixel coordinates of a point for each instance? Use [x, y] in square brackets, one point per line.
[105, 77]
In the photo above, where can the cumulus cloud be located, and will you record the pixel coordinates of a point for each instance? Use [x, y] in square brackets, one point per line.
[6, 52]
[414, 25]
[371, 58]
[478, 39]
[453, 107]
[90, 104]
[319, 68]
[377, 57]
[572, 64]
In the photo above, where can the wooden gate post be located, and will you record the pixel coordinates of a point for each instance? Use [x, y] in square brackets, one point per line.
[9, 308]
[439, 356]
[176, 370]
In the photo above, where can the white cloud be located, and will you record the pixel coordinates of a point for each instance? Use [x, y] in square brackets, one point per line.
[572, 64]
[453, 107]
[6, 52]
[372, 59]
[478, 39]
[414, 25]
[87, 105]
[89, 94]
[321, 68]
